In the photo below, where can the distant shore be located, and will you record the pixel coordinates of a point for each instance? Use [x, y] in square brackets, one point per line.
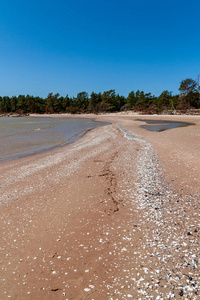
[113, 215]
[191, 112]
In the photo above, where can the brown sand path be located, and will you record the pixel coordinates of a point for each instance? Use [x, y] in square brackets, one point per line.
[112, 216]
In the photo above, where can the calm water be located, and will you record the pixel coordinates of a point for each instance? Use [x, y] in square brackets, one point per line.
[28, 135]
[161, 125]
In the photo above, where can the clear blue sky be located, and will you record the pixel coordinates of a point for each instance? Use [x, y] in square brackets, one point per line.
[91, 45]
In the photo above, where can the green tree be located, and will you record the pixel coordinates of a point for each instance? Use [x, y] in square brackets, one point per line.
[67, 104]
[174, 102]
[109, 101]
[53, 104]
[120, 101]
[94, 101]
[188, 92]
[131, 100]
[81, 102]
[31, 104]
[13, 103]
[58, 103]
[1, 105]
[5, 105]
[22, 104]
[140, 100]
[164, 100]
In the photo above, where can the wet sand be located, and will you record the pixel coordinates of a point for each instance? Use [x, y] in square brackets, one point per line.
[114, 215]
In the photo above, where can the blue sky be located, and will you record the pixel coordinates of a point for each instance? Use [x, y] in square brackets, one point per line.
[74, 46]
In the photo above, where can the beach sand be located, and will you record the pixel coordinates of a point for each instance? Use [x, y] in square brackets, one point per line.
[114, 215]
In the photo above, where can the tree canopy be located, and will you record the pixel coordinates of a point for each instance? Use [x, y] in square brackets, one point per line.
[108, 101]
[189, 94]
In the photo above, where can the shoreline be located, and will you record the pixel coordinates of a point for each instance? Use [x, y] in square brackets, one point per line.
[67, 140]
[113, 215]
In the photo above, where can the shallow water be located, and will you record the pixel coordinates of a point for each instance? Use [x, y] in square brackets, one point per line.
[161, 125]
[28, 135]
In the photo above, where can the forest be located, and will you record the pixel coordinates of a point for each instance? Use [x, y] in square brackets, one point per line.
[108, 101]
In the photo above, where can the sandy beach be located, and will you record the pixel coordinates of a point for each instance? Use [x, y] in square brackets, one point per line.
[114, 215]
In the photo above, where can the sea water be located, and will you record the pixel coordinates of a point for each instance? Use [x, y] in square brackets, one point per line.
[22, 136]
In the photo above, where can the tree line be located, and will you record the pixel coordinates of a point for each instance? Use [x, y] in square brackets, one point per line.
[107, 101]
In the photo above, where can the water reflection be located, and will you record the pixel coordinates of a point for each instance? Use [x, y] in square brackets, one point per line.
[161, 125]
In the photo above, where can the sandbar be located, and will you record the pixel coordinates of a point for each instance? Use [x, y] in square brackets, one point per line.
[114, 215]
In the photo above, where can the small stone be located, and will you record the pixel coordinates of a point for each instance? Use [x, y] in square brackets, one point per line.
[181, 293]
[91, 286]
[190, 278]
[123, 249]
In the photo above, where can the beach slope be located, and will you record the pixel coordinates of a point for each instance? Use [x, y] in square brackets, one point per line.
[114, 215]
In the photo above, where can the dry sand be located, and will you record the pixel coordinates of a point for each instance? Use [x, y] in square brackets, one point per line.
[113, 216]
